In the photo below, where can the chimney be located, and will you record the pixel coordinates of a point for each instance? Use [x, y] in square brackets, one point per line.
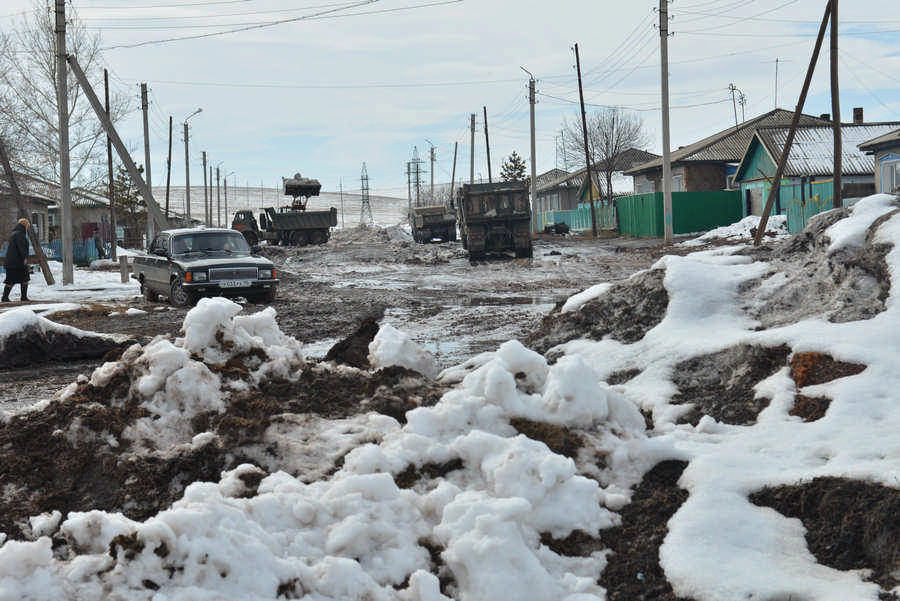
[857, 115]
[825, 116]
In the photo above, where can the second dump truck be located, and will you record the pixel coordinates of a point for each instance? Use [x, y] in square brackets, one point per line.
[292, 225]
[494, 218]
[429, 223]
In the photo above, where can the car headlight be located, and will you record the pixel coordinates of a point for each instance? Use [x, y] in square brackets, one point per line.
[196, 276]
[266, 274]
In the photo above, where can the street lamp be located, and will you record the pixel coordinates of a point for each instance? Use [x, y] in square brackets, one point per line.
[218, 197]
[187, 169]
[431, 154]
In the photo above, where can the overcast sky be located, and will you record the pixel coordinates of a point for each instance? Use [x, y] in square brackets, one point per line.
[368, 81]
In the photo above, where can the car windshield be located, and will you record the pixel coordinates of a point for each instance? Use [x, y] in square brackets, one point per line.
[210, 242]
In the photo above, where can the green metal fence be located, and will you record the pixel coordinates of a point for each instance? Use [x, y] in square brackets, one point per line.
[801, 201]
[579, 220]
[641, 215]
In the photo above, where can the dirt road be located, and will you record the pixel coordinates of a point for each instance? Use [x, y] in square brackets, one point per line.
[449, 306]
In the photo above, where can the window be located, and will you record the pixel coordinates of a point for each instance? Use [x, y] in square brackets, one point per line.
[890, 176]
[678, 183]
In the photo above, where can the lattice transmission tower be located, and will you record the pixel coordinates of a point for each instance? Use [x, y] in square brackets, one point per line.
[365, 210]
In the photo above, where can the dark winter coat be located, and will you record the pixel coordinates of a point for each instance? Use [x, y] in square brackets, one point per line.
[16, 256]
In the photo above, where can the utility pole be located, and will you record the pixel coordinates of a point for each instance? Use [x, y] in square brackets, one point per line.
[487, 145]
[776, 83]
[785, 153]
[62, 106]
[732, 88]
[432, 173]
[145, 106]
[472, 151]
[667, 163]
[836, 108]
[587, 152]
[206, 216]
[187, 170]
[453, 173]
[409, 187]
[111, 191]
[531, 101]
[169, 168]
[218, 201]
[225, 195]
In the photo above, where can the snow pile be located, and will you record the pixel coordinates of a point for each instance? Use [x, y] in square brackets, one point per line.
[392, 347]
[742, 231]
[576, 301]
[464, 498]
[362, 234]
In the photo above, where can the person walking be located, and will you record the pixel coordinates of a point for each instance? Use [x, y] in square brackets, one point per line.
[16, 259]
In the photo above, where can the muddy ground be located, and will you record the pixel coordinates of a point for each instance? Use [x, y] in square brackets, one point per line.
[451, 307]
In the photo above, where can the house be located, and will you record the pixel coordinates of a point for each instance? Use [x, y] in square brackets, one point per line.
[886, 152]
[808, 172]
[90, 211]
[38, 195]
[569, 189]
[708, 165]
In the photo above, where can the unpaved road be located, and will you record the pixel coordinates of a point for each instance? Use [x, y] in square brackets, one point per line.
[449, 306]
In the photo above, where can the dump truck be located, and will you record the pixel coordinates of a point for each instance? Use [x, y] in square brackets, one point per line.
[494, 218]
[289, 225]
[433, 222]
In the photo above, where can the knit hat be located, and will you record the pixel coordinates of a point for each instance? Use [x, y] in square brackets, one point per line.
[24, 222]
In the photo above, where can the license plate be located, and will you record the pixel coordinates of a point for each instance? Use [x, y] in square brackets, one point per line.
[235, 283]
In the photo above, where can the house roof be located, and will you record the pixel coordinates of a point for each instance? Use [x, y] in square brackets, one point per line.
[729, 145]
[34, 189]
[627, 159]
[812, 152]
[549, 176]
[891, 138]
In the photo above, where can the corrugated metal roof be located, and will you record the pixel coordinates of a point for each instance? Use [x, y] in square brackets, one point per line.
[627, 159]
[888, 138]
[729, 145]
[30, 186]
[812, 152]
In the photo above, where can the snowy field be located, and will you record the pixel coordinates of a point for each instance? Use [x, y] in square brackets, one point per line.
[474, 522]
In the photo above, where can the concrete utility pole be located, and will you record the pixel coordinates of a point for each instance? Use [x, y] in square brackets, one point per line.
[187, 170]
[169, 168]
[111, 189]
[487, 145]
[453, 173]
[785, 153]
[218, 201]
[145, 107]
[225, 195]
[23, 213]
[153, 209]
[472, 150]
[62, 106]
[206, 216]
[431, 156]
[836, 108]
[587, 151]
[667, 164]
[531, 101]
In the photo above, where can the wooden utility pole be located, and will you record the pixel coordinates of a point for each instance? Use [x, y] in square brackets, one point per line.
[587, 152]
[487, 145]
[472, 150]
[113, 225]
[836, 108]
[453, 173]
[65, 175]
[187, 177]
[668, 229]
[785, 153]
[206, 216]
[153, 209]
[169, 167]
[431, 154]
[145, 107]
[531, 101]
[23, 213]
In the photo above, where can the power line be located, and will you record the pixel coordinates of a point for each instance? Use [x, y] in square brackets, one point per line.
[225, 84]
[315, 16]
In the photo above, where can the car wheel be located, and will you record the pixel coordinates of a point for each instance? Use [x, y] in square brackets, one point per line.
[148, 293]
[179, 296]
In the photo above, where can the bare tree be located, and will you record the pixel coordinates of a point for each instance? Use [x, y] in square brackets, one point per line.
[28, 113]
[611, 133]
